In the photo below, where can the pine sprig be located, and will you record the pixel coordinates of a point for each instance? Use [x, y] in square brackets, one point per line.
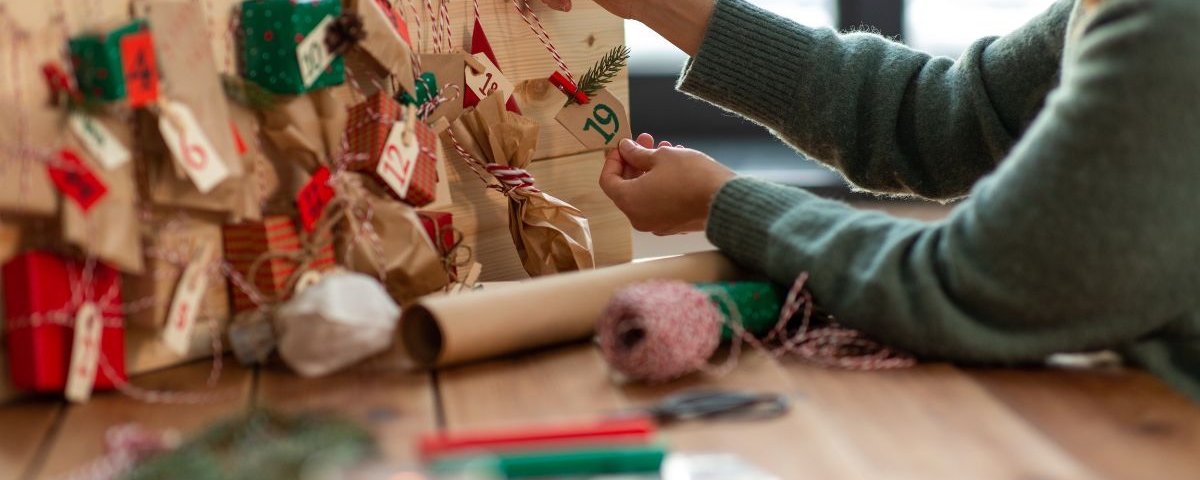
[604, 71]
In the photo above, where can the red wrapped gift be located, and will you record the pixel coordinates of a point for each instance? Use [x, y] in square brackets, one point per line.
[42, 294]
[423, 189]
[439, 226]
[247, 242]
[367, 130]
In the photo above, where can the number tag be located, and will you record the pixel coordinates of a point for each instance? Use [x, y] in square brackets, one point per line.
[85, 353]
[399, 158]
[103, 146]
[602, 123]
[488, 81]
[312, 54]
[141, 71]
[76, 180]
[313, 198]
[191, 147]
[181, 318]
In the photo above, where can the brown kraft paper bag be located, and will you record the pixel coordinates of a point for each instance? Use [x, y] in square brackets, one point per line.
[307, 128]
[550, 235]
[109, 229]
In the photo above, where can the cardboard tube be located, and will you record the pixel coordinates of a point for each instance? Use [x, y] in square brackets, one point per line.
[455, 329]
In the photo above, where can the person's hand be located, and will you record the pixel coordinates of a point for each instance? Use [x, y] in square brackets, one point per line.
[620, 8]
[663, 189]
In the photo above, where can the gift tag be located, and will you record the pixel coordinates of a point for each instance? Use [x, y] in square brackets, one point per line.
[85, 353]
[399, 158]
[312, 54]
[75, 180]
[313, 198]
[181, 318]
[191, 147]
[306, 280]
[487, 81]
[103, 146]
[601, 123]
[141, 71]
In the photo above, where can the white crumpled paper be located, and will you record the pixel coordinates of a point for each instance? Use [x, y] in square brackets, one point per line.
[341, 320]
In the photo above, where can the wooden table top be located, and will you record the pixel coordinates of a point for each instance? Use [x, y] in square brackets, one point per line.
[934, 421]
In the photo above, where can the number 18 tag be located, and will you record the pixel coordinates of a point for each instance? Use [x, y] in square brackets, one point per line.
[487, 81]
[602, 123]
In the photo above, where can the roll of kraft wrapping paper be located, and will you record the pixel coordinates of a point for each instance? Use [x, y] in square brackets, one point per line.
[484, 324]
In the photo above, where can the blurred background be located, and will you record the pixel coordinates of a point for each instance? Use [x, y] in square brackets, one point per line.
[940, 27]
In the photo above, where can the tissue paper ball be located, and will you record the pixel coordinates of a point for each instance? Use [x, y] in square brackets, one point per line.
[659, 331]
[341, 320]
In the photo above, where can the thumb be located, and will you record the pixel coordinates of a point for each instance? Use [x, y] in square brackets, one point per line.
[637, 156]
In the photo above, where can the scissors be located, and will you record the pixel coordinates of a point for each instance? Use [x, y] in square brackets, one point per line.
[706, 405]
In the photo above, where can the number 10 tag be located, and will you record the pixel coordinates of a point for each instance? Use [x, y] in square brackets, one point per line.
[602, 123]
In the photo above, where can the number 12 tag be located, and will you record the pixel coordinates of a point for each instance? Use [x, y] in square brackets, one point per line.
[602, 123]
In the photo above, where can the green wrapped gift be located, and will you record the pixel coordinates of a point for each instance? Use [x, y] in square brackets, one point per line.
[96, 59]
[272, 31]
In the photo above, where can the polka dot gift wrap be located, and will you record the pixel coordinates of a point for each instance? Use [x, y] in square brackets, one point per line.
[271, 32]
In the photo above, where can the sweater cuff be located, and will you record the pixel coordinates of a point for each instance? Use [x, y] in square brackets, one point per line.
[742, 214]
[750, 62]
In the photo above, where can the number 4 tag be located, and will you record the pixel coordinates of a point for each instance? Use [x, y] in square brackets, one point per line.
[602, 123]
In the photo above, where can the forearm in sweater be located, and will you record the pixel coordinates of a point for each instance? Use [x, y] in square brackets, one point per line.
[889, 118]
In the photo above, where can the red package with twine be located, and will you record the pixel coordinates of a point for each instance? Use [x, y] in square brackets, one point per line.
[267, 255]
[439, 226]
[42, 294]
[367, 131]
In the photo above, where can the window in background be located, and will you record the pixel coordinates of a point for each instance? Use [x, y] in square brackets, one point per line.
[948, 27]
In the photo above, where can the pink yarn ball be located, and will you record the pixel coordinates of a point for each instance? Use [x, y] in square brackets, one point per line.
[659, 331]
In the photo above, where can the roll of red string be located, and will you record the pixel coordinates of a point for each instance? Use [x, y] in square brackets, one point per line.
[661, 330]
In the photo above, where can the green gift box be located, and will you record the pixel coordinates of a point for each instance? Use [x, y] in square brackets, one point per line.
[96, 60]
[271, 32]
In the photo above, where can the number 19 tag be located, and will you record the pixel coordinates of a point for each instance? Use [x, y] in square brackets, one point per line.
[602, 123]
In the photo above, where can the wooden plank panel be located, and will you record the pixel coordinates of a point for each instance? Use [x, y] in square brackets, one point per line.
[931, 422]
[1127, 424]
[26, 426]
[82, 431]
[581, 37]
[395, 404]
[573, 383]
[482, 214]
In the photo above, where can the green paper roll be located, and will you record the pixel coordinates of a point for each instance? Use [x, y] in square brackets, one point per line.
[757, 304]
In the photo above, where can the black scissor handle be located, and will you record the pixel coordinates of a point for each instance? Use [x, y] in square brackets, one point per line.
[710, 405]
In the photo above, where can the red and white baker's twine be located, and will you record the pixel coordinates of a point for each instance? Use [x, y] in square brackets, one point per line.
[539, 30]
[831, 346]
[125, 446]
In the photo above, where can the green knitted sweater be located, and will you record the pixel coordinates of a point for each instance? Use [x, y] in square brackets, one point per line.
[1076, 140]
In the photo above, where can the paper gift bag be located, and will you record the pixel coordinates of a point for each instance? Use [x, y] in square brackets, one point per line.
[307, 128]
[31, 128]
[42, 294]
[384, 57]
[384, 238]
[550, 235]
[108, 229]
[172, 241]
[270, 256]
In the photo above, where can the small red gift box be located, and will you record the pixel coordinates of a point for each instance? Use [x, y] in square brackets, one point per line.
[245, 243]
[367, 130]
[42, 294]
[423, 189]
[439, 226]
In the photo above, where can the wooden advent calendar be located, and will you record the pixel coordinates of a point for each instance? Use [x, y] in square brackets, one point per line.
[32, 32]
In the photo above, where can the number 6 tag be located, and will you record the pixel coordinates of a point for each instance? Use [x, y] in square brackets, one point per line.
[602, 123]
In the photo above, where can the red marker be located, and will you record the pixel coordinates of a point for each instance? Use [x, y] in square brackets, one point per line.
[635, 430]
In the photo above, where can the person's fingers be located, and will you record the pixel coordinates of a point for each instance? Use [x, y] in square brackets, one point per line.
[628, 172]
[635, 155]
[611, 174]
[646, 140]
[664, 143]
[560, 5]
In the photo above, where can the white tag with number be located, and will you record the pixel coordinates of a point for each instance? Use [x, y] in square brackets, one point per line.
[399, 159]
[312, 54]
[85, 353]
[103, 146]
[489, 80]
[191, 147]
[181, 318]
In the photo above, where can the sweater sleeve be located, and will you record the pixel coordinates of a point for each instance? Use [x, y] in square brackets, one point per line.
[891, 119]
[1085, 237]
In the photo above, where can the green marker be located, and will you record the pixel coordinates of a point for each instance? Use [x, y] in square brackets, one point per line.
[578, 462]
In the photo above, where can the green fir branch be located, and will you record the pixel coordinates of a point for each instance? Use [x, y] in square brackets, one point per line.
[603, 72]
